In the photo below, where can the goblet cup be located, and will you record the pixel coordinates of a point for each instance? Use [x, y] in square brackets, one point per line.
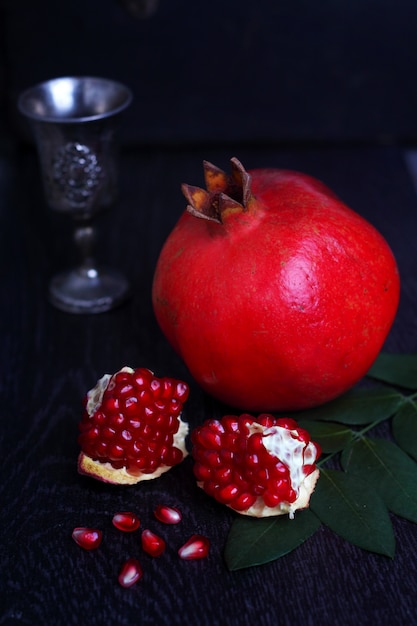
[74, 122]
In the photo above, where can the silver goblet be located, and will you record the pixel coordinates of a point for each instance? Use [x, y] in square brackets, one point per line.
[74, 122]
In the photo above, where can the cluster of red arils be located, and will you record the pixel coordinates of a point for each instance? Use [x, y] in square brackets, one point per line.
[196, 547]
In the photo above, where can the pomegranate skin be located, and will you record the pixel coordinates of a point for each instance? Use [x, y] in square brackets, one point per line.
[278, 302]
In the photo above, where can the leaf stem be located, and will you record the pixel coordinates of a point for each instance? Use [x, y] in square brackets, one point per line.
[355, 436]
[359, 433]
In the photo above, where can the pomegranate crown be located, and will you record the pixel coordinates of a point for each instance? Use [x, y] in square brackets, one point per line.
[225, 194]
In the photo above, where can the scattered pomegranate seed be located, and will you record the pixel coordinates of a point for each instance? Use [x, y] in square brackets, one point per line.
[87, 538]
[152, 544]
[130, 573]
[197, 547]
[127, 521]
[168, 514]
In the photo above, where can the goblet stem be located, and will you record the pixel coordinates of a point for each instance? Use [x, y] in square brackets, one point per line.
[85, 237]
[88, 288]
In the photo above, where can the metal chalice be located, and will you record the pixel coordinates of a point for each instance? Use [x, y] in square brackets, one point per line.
[74, 121]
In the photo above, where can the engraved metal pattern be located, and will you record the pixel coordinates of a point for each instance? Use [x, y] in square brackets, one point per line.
[77, 172]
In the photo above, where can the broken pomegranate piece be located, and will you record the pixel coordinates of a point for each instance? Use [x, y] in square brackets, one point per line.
[87, 538]
[259, 467]
[131, 429]
[197, 547]
[130, 572]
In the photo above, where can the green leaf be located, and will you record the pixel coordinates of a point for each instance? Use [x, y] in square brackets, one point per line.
[357, 407]
[253, 541]
[404, 428]
[396, 369]
[353, 510]
[331, 437]
[388, 470]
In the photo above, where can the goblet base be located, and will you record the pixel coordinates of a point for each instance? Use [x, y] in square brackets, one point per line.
[88, 290]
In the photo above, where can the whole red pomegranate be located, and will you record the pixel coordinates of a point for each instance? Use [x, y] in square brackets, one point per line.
[276, 295]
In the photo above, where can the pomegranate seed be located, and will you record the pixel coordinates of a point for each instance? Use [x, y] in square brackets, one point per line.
[252, 461]
[202, 472]
[168, 514]
[210, 439]
[244, 421]
[272, 499]
[127, 521]
[110, 405]
[173, 456]
[303, 435]
[87, 538]
[266, 419]
[280, 469]
[212, 458]
[230, 424]
[152, 544]
[287, 422]
[167, 387]
[222, 474]
[228, 493]
[308, 469]
[211, 487]
[255, 443]
[181, 391]
[197, 547]
[130, 573]
[142, 377]
[243, 502]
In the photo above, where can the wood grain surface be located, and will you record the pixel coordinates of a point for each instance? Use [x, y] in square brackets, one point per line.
[49, 359]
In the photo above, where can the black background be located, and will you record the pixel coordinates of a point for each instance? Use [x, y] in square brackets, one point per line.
[236, 70]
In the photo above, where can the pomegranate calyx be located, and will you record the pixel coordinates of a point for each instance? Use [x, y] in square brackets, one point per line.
[216, 179]
[225, 194]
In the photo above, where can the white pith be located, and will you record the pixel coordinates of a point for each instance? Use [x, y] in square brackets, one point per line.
[105, 471]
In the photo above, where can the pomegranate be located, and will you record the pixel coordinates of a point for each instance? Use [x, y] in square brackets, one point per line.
[259, 467]
[131, 429]
[276, 295]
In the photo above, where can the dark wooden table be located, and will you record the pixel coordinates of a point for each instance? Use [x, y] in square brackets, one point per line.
[49, 359]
